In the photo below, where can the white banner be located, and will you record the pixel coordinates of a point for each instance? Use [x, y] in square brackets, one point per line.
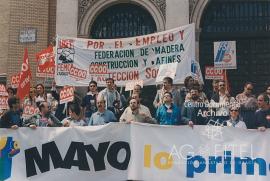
[127, 59]
[138, 152]
[225, 55]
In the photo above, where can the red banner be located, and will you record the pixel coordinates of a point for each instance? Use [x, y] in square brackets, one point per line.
[45, 58]
[25, 77]
[66, 95]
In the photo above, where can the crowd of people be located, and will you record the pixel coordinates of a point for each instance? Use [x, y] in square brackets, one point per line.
[186, 106]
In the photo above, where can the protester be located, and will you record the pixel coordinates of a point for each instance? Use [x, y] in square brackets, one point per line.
[262, 116]
[188, 83]
[11, 92]
[89, 101]
[30, 100]
[43, 119]
[102, 116]
[137, 89]
[142, 108]
[74, 118]
[235, 119]
[168, 113]
[248, 105]
[117, 110]
[167, 87]
[134, 114]
[12, 118]
[221, 102]
[201, 94]
[214, 90]
[41, 95]
[109, 94]
[193, 112]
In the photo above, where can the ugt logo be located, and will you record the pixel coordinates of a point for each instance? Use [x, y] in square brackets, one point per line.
[8, 149]
[66, 51]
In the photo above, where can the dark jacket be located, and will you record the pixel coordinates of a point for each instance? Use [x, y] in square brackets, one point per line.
[11, 118]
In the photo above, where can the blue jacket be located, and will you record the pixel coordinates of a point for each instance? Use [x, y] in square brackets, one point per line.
[166, 116]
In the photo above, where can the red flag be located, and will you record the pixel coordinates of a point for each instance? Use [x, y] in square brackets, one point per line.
[25, 77]
[45, 58]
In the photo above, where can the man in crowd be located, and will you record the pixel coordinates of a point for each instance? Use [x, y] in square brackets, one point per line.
[12, 118]
[262, 116]
[221, 102]
[102, 116]
[74, 118]
[167, 87]
[89, 105]
[193, 112]
[168, 113]
[134, 114]
[248, 105]
[43, 119]
[109, 94]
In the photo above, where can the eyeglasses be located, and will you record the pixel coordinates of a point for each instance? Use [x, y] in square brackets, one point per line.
[221, 85]
[234, 110]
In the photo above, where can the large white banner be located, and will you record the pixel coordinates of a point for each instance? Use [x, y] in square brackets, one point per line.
[129, 59]
[138, 152]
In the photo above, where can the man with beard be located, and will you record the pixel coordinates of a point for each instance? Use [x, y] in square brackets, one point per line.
[194, 109]
[102, 116]
[43, 119]
[134, 114]
[262, 116]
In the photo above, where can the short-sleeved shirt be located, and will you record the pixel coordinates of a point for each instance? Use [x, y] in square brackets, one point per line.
[99, 118]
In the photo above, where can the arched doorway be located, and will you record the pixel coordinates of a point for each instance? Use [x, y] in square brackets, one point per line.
[122, 20]
[248, 23]
[125, 20]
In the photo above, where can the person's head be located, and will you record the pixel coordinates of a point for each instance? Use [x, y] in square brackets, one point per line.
[221, 86]
[137, 89]
[268, 90]
[234, 112]
[194, 92]
[188, 81]
[133, 104]
[116, 104]
[110, 83]
[215, 85]
[14, 103]
[74, 110]
[32, 92]
[40, 89]
[92, 86]
[167, 83]
[101, 104]
[44, 107]
[263, 101]
[10, 91]
[136, 96]
[167, 98]
[248, 88]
